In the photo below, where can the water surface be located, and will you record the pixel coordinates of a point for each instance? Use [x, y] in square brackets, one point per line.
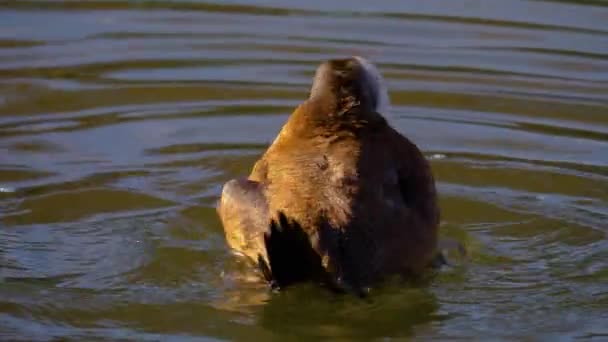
[120, 121]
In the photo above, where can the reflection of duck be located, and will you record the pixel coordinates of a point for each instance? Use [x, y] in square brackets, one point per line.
[340, 196]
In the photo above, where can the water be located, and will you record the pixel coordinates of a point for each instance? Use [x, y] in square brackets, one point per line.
[120, 120]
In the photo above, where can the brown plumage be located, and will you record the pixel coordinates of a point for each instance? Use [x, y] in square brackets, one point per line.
[340, 196]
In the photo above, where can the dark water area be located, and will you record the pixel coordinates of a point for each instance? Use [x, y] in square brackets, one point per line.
[120, 121]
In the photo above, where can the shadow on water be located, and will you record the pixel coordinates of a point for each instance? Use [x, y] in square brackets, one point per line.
[396, 313]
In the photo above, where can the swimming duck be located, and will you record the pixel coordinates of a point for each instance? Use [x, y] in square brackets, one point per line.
[340, 196]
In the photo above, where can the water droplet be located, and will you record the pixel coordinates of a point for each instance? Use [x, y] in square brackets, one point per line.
[437, 156]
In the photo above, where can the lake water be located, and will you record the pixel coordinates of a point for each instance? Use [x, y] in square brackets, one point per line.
[120, 120]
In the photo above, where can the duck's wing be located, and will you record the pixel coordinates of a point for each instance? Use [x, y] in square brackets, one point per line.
[291, 256]
[279, 246]
[419, 215]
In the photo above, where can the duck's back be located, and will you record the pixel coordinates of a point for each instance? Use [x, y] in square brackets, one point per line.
[362, 193]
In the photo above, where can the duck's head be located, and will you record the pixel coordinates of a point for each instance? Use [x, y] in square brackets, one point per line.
[350, 82]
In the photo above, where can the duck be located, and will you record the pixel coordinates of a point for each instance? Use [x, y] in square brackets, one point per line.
[340, 197]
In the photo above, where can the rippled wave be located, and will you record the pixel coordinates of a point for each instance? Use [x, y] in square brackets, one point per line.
[120, 120]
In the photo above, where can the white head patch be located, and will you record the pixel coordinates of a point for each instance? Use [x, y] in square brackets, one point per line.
[377, 83]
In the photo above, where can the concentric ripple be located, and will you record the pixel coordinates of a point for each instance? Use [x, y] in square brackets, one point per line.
[120, 120]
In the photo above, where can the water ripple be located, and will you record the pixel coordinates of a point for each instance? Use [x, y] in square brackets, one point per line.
[120, 121]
